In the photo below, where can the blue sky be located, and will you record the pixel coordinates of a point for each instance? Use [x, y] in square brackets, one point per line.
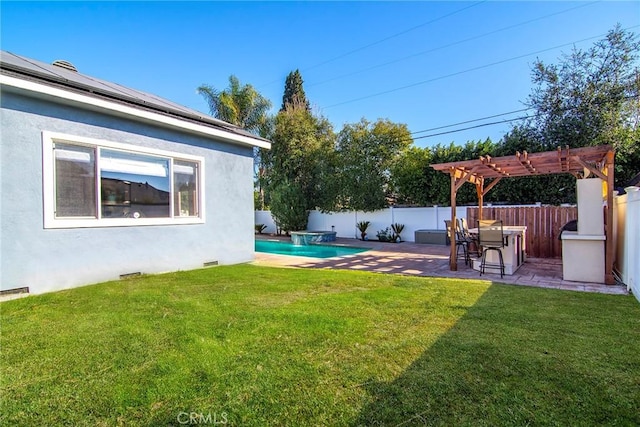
[426, 64]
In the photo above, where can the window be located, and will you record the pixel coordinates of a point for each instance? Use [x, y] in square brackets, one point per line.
[134, 185]
[185, 184]
[75, 181]
[91, 183]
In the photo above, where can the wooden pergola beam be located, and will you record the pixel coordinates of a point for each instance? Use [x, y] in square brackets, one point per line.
[590, 168]
[491, 185]
[469, 175]
[486, 161]
[525, 162]
[563, 158]
[466, 176]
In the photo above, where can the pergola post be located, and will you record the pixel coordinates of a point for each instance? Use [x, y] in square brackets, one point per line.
[609, 248]
[480, 194]
[453, 258]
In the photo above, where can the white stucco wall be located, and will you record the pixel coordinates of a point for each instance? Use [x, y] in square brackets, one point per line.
[631, 271]
[344, 223]
[51, 259]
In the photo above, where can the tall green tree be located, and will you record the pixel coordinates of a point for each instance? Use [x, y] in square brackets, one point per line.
[294, 92]
[591, 98]
[288, 206]
[261, 162]
[438, 192]
[366, 153]
[548, 189]
[410, 176]
[302, 145]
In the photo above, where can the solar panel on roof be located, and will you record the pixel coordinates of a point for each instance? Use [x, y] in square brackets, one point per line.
[19, 62]
[77, 80]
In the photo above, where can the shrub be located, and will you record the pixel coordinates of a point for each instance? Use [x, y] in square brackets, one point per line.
[362, 226]
[397, 229]
[385, 235]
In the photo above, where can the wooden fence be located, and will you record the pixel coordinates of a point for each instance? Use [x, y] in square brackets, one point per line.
[543, 225]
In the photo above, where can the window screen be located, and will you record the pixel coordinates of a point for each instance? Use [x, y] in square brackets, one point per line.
[75, 181]
[185, 184]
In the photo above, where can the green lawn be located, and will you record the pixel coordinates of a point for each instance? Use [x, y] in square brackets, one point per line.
[250, 345]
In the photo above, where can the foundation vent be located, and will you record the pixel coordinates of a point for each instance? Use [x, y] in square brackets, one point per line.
[23, 290]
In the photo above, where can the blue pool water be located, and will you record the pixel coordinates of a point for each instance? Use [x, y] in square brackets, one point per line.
[314, 251]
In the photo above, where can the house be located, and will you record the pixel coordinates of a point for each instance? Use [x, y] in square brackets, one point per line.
[100, 181]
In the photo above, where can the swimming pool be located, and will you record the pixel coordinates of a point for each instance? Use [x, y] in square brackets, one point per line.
[313, 251]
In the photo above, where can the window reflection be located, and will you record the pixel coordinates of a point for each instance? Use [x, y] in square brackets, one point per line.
[134, 185]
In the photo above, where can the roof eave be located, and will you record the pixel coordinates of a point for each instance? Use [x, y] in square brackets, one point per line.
[131, 111]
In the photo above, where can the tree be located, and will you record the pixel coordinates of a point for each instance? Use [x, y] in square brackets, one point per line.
[294, 92]
[302, 146]
[366, 152]
[548, 189]
[410, 176]
[238, 104]
[243, 106]
[261, 161]
[591, 98]
[438, 188]
[289, 206]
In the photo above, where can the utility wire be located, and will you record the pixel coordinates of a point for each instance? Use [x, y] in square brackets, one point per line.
[493, 123]
[448, 45]
[393, 36]
[467, 70]
[351, 52]
[471, 127]
[471, 121]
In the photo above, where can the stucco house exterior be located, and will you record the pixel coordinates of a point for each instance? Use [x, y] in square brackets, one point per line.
[100, 181]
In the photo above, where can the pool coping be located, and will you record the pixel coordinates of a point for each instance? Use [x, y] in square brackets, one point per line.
[361, 249]
[334, 243]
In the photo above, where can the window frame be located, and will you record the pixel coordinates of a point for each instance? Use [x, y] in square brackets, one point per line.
[49, 139]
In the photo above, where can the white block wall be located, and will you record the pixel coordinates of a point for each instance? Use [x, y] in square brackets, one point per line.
[344, 223]
[631, 273]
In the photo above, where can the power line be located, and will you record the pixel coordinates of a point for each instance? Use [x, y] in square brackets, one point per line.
[471, 127]
[509, 27]
[394, 36]
[351, 52]
[471, 121]
[492, 123]
[467, 70]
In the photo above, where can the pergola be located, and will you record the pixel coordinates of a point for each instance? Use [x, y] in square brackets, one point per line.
[487, 171]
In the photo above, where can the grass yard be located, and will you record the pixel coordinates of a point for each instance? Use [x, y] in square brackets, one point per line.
[248, 345]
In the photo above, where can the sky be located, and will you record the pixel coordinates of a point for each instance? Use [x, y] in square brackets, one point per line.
[425, 64]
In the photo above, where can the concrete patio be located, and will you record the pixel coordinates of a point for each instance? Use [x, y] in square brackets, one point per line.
[432, 260]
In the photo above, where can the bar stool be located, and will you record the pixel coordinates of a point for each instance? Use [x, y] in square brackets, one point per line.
[472, 240]
[491, 238]
[461, 242]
